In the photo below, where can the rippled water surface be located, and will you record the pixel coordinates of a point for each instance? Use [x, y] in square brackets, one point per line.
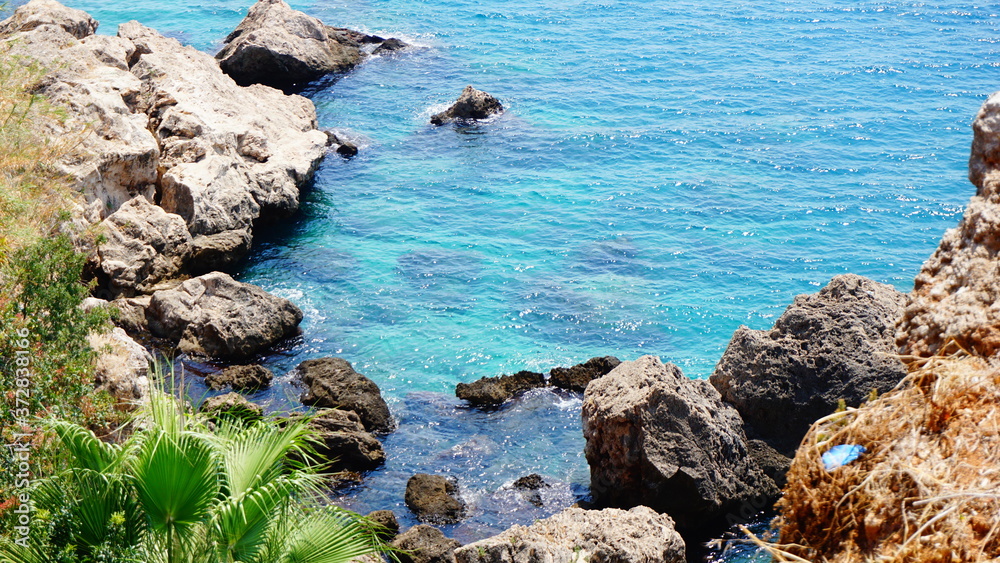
[665, 172]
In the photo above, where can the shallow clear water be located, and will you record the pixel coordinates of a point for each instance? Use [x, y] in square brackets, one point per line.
[665, 172]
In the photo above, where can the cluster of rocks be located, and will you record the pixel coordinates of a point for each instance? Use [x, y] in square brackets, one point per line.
[495, 391]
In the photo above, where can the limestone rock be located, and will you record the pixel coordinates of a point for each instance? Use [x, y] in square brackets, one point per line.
[49, 13]
[333, 383]
[232, 405]
[434, 498]
[122, 366]
[639, 535]
[656, 438]
[471, 105]
[955, 295]
[241, 378]
[832, 345]
[425, 544]
[208, 253]
[214, 315]
[492, 391]
[577, 377]
[282, 47]
[142, 245]
[342, 439]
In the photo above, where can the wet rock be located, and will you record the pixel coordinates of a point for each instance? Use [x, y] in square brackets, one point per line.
[240, 378]
[386, 525]
[577, 377]
[656, 438]
[832, 345]
[425, 544]
[333, 383]
[231, 405]
[343, 442]
[639, 535]
[281, 47]
[389, 46]
[492, 391]
[434, 498]
[344, 148]
[529, 486]
[471, 105]
[216, 316]
[346, 480]
[121, 367]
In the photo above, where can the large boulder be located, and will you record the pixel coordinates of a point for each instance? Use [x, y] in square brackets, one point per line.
[434, 498]
[834, 345]
[471, 105]
[425, 544]
[281, 47]
[576, 378]
[656, 438]
[639, 535]
[343, 442]
[121, 367]
[240, 378]
[216, 316]
[492, 391]
[231, 406]
[331, 383]
[953, 303]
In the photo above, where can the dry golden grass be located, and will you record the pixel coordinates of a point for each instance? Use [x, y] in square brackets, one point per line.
[928, 487]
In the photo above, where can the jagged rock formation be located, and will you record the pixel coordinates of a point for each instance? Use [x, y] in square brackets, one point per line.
[425, 544]
[241, 378]
[832, 345]
[332, 383]
[656, 438]
[343, 441]
[434, 498]
[577, 377]
[639, 535]
[493, 391]
[471, 105]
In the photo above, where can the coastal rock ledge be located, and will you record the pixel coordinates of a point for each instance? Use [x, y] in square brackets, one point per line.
[639, 535]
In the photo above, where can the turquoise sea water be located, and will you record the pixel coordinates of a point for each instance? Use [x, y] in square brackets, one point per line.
[665, 172]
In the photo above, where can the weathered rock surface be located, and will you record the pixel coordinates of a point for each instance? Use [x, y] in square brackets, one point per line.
[639, 535]
[529, 485]
[342, 440]
[425, 544]
[773, 463]
[282, 47]
[434, 498]
[231, 405]
[386, 524]
[492, 391]
[471, 105]
[333, 383]
[122, 365]
[241, 378]
[656, 438]
[216, 252]
[577, 377]
[954, 300]
[214, 315]
[832, 345]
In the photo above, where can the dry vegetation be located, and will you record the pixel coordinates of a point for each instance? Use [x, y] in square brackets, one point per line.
[928, 488]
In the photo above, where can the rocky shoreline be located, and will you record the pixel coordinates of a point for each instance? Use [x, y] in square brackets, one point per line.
[182, 157]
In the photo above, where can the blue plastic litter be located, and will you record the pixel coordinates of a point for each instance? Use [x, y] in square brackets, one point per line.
[841, 455]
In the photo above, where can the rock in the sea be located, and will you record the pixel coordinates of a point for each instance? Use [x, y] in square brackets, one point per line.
[385, 523]
[832, 345]
[142, 245]
[343, 442]
[577, 377]
[332, 383]
[529, 487]
[434, 498]
[241, 378]
[231, 405]
[656, 438]
[390, 45]
[954, 300]
[281, 47]
[492, 391]
[121, 367]
[425, 544]
[639, 535]
[216, 316]
[471, 105]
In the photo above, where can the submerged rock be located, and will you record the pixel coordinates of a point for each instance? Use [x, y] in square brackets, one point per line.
[577, 377]
[639, 535]
[829, 346]
[493, 391]
[216, 316]
[333, 384]
[281, 47]
[471, 105]
[425, 544]
[240, 378]
[434, 498]
[656, 438]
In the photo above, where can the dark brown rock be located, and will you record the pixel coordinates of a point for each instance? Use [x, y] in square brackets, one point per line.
[240, 378]
[492, 391]
[471, 105]
[389, 46]
[343, 442]
[333, 383]
[385, 524]
[577, 377]
[425, 544]
[529, 486]
[771, 461]
[231, 405]
[434, 498]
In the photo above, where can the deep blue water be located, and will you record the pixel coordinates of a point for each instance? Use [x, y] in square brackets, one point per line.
[665, 172]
